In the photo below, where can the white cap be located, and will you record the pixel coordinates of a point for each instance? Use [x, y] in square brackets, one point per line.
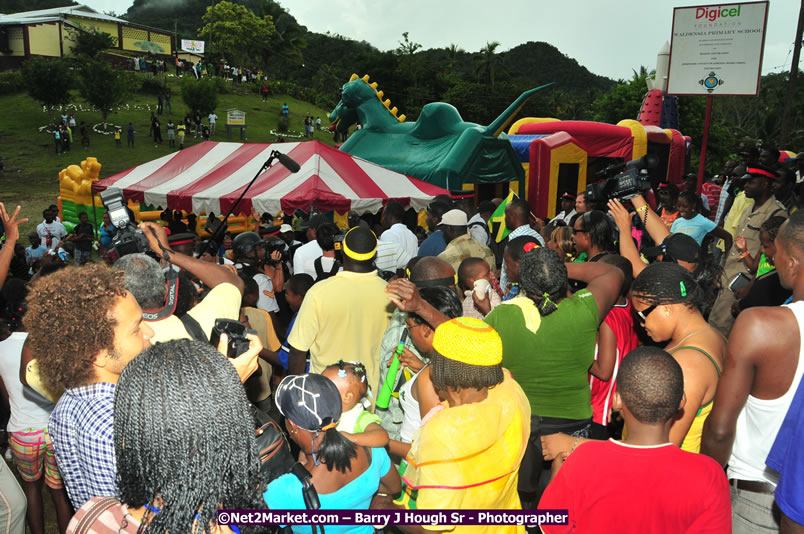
[454, 218]
[285, 228]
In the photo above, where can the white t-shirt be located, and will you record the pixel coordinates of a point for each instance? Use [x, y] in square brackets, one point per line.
[406, 239]
[212, 118]
[51, 233]
[267, 299]
[305, 256]
[28, 410]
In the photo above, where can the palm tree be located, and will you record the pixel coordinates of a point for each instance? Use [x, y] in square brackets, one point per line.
[453, 53]
[488, 61]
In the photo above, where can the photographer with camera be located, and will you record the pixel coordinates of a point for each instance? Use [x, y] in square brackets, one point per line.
[251, 261]
[146, 281]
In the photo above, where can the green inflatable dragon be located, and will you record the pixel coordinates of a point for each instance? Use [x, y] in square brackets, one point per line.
[439, 148]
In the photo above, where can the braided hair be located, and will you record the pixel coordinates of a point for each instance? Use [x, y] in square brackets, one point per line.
[668, 283]
[447, 372]
[355, 370]
[543, 277]
[772, 225]
[183, 433]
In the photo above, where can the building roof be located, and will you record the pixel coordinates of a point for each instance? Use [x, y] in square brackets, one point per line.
[60, 13]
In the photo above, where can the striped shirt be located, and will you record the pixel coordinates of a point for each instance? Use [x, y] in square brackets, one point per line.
[391, 256]
[81, 427]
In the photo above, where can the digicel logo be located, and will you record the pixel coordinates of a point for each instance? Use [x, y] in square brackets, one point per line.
[714, 13]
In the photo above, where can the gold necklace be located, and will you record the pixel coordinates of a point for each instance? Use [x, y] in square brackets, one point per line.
[685, 338]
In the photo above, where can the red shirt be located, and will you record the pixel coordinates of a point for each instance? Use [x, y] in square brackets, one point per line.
[621, 321]
[609, 486]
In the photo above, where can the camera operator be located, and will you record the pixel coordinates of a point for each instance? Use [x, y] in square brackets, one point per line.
[249, 254]
[146, 281]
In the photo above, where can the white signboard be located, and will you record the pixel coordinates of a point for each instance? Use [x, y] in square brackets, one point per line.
[196, 47]
[717, 49]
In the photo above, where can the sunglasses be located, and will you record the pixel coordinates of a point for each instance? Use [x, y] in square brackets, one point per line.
[581, 231]
[647, 311]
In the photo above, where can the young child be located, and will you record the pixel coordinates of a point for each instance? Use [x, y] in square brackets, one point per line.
[36, 250]
[357, 424]
[295, 289]
[694, 224]
[616, 338]
[477, 271]
[117, 137]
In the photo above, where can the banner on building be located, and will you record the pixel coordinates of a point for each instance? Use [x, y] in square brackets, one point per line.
[196, 47]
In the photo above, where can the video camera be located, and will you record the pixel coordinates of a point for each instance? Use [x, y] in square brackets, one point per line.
[622, 180]
[128, 239]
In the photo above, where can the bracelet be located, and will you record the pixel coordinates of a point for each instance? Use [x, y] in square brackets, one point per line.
[743, 255]
[645, 218]
[643, 208]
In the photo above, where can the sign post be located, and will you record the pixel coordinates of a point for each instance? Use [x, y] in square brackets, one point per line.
[717, 50]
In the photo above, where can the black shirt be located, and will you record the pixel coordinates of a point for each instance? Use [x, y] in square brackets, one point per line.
[84, 245]
[766, 291]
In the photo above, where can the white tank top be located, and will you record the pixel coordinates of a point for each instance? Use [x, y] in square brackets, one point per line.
[412, 419]
[760, 420]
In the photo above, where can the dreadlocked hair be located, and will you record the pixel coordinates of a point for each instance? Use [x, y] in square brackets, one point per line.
[447, 373]
[543, 277]
[668, 283]
[183, 434]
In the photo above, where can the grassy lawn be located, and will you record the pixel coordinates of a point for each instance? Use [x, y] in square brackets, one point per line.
[32, 165]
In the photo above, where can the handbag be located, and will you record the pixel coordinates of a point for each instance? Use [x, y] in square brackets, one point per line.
[276, 460]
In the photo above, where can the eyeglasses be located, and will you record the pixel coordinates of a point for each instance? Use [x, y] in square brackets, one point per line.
[647, 311]
[577, 231]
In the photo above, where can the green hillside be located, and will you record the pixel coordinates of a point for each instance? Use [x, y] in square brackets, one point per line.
[32, 166]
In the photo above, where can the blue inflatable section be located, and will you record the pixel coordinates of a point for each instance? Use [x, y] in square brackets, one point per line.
[521, 144]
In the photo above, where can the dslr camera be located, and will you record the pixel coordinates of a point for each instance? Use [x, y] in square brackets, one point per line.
[622, 180]
[128, 239]
[236, 331]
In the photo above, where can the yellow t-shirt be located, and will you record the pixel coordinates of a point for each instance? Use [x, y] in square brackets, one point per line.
[222, 302]
[344, 318]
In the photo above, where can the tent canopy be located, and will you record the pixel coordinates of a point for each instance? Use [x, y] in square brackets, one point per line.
[210, 176]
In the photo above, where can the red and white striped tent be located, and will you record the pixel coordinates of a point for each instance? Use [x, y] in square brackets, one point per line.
[210, 176]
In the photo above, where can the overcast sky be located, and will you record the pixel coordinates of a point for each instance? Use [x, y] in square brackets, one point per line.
[607, 37]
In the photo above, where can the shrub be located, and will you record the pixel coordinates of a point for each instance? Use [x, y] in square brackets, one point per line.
[11, 82]
[152, 85]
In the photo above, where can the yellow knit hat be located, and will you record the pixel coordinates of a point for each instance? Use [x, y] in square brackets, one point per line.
[468, 340]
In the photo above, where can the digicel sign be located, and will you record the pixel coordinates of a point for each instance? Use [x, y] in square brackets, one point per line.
[714, 13]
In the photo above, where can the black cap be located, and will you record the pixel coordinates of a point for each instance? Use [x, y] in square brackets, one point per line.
[184, 238]
[799, 157]
[677, 246]
[567, 196]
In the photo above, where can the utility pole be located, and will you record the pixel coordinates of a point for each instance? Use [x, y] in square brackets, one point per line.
[791, 83]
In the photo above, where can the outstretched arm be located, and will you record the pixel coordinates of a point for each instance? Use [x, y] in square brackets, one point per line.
[11, 225]
[653, 223]
[604, 281]
[209, 273]
[628, 249]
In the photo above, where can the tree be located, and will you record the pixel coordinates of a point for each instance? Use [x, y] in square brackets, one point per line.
[236, 33]
[89, 43]
[102, 85]
[201, 96]
[48, 81]
[622, 101]
[487, 63]
[326, 83]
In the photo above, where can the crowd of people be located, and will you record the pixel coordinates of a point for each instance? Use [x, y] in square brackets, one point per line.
[635, 361]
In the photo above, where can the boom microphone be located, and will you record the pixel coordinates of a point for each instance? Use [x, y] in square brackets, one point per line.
[287, 161]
